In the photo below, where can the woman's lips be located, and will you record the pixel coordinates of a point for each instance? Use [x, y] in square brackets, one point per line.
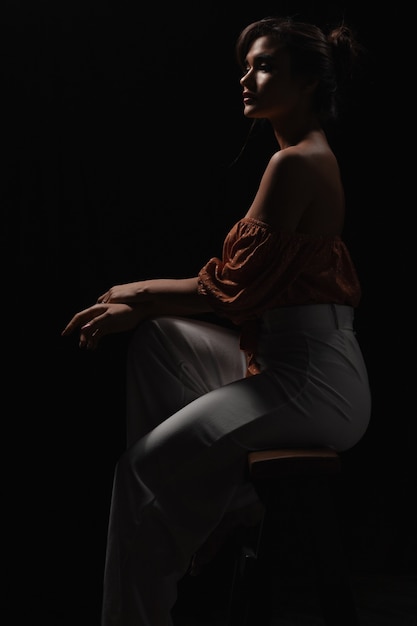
[248, 97]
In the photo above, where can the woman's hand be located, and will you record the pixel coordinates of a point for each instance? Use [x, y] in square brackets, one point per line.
[127, 293]
[103, 319]
[122, 307]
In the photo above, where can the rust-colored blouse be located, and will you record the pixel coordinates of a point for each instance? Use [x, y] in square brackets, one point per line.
[262, 269]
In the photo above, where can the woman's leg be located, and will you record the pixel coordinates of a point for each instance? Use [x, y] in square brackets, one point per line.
[172, 361]
[159, 517]
[174, 485]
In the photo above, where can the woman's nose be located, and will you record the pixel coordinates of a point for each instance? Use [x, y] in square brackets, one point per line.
[245, 79]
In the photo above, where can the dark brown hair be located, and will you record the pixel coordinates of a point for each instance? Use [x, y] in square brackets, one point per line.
[328, 58]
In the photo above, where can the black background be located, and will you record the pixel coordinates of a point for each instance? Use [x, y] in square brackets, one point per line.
[120, 121]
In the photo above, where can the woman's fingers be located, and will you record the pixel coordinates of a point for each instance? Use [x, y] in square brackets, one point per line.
[89, 337]
[100, 320]
[104, 298]
[82, 318]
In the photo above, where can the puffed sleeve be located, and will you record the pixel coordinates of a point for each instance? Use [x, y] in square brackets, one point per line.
[262, 268]
[254, 260]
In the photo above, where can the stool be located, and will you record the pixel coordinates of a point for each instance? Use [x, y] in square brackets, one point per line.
[295, 486]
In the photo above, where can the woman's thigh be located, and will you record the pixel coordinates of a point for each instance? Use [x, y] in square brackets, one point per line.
[171, 362]
[300, 402]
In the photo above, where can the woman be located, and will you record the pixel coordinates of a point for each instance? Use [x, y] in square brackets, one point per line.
[201, 395]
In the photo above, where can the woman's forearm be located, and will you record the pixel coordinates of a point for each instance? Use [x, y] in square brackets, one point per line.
[161, 296]
[174, 297]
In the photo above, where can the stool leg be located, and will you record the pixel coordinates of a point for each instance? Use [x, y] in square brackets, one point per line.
[241, 584]
[317, 521]
[307, 503]
[251, 582]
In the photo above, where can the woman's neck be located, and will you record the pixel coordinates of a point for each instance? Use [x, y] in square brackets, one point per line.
[291, 131]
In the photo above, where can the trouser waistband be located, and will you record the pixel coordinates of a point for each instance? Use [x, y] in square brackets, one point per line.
[313, 316]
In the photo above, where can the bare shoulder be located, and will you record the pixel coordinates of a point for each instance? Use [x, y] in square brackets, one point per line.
[302, 163]
[301, 189]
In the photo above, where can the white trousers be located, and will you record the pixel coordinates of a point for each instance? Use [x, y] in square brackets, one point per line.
[192, 417]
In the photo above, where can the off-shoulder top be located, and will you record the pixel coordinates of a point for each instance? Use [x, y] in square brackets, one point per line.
[262, 268]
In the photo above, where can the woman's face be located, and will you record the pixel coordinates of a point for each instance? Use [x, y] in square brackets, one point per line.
[270, 90]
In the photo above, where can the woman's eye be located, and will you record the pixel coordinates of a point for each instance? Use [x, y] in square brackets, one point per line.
[258, 67]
